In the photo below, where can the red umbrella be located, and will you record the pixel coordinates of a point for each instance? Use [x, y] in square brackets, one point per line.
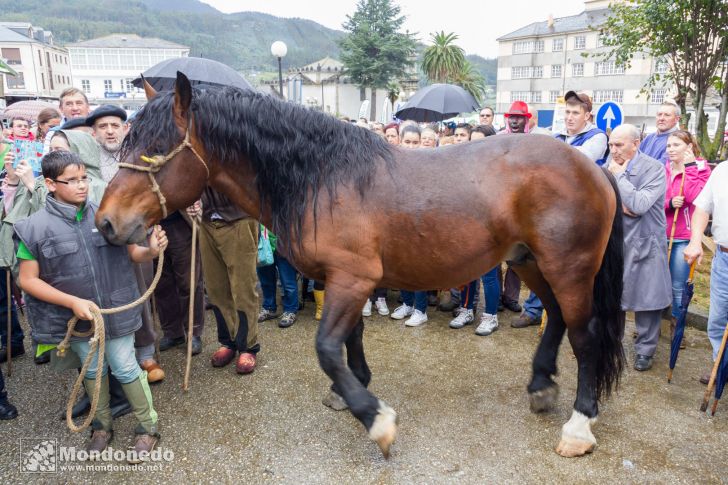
[27, 109]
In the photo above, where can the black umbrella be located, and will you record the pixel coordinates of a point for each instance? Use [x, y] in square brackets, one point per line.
[720, 380]
[437, 102]
[199, 71]
[680, 321]
[719, 375]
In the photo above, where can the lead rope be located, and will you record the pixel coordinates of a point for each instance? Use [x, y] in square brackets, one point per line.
[96, 343]
[191, 309]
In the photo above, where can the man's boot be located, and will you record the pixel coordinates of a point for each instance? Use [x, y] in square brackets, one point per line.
[319, 297]
[102, 423]
[7, 410]
[140, 398]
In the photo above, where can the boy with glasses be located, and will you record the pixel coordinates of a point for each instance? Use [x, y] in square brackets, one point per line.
[67, 268]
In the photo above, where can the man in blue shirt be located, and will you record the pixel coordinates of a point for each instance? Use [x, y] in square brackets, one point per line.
[666, 121]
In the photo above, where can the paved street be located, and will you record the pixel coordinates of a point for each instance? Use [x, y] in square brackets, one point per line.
[461, 401]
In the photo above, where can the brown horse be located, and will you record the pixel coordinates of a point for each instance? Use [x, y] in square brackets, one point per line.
[359, 214]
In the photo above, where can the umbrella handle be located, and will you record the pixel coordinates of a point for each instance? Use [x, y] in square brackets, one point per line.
[714, 372]
[692, 271]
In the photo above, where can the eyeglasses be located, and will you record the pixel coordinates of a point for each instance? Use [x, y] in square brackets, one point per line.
[73, 182]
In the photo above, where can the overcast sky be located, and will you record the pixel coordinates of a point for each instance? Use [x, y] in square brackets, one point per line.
[477, 23]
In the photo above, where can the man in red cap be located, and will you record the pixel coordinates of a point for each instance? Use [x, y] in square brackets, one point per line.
[517, 118]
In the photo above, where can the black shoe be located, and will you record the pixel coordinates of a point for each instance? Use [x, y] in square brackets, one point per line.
[43, 358]
[7, 410]
[643, 362]
[120, 409]
[81, 408]
[432, 300]
[500, 306]
[196, 345]
[512, 306]
[308, 296]
[16, 351]
[166, 343]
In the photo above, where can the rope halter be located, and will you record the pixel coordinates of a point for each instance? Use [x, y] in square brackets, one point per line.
[157, 162]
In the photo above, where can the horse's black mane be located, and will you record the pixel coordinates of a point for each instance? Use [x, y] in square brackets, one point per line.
[294, 151]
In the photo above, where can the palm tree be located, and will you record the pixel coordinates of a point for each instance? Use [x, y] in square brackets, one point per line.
[470, 80]
[443, 58]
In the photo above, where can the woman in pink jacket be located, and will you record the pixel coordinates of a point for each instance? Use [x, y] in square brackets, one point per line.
[686, 177]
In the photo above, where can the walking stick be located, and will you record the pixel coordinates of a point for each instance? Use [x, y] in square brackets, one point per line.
[674, 220]
[157, 329]
[9, 347]
[191, 307]
[716, 364]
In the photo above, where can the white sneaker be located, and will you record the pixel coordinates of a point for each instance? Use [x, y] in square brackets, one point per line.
[417, 319]
[367, 310]
[381, 305]
[488, 324]
[402, 311]
[465, 317]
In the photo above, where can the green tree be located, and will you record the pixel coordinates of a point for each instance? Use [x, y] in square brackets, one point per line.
[443, 60]
[374, 51]
[692, 37]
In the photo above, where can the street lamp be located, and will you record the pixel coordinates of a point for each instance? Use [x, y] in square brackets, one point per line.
[279, 50]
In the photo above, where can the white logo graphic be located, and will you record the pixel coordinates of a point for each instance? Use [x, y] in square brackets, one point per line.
[38, 458]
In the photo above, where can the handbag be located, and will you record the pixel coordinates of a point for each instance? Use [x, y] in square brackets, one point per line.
[265, 251]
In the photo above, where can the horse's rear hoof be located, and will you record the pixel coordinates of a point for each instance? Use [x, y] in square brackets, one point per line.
[335, 402]
[570, 447]
[544, 399]
[384, 428]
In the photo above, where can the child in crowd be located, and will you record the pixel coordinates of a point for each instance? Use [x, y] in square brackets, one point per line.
[67, 268]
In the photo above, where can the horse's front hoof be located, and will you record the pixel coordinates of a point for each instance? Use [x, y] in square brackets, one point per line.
[544, 399]
[335, 402]
[384, 428]
[572, 447]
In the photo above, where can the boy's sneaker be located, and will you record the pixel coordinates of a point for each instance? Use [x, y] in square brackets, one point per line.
[100, 440]
[402, 311]
[488, 324]
[266, 314]
[287, 319]
[367, 310]
[382, 307]
[417, 319]
[465, 317]
[457, 311]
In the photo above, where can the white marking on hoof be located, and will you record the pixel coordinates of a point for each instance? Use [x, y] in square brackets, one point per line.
[335, 402]
[384, 428]
[544, 399]
[576, 436]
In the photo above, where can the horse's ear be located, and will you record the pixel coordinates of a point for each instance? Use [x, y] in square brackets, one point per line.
[182, 99]
[148, 89]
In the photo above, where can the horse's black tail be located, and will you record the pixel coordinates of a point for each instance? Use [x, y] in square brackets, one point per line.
[608, 312]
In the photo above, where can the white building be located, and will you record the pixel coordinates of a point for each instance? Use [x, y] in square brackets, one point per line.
[325, 86]
[44, 69]
[540, 62]
[104, 68]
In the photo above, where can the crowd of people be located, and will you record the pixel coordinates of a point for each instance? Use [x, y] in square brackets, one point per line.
[64, 267]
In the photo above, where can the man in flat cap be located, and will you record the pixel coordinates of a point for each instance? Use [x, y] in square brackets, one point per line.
[109, 129]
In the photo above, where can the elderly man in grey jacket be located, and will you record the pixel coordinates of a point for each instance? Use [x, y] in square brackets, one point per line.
[641, 181]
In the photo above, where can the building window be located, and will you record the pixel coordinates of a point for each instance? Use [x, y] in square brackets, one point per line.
[129, 86]
[78, 59]
[603, 40]
[554, 96]
[577, 70]
[526, 72]
[657, 96]
[42, 80]
[607, 68]
[661, 66]
[12, 56]
[616, 95]
[527, 46]
[95, 59]
[40, 58]
[107, 86]
[86, 86]
[536, 96]
[557, 45]
[579, 42]
[556, 70]
[16, 82]
[526, 96]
